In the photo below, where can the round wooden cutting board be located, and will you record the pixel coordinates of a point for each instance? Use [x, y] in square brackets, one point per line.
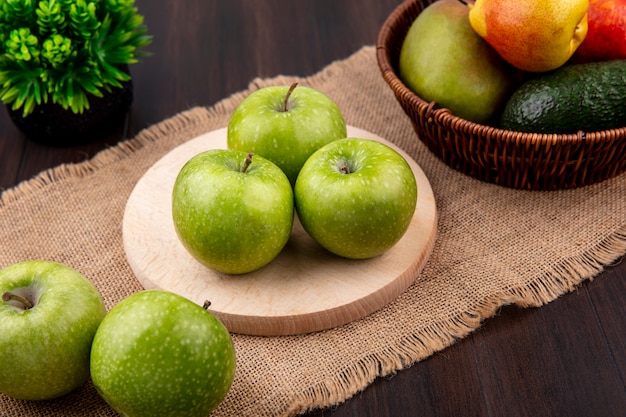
[305, 289]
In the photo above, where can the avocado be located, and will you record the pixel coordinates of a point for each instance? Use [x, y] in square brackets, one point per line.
[576, 97]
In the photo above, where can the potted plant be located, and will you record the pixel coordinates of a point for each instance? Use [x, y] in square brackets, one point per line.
[64, 65]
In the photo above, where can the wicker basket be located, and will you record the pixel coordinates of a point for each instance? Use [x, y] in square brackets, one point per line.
[512, 159]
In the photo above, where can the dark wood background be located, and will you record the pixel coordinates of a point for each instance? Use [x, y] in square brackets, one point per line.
[564, 359]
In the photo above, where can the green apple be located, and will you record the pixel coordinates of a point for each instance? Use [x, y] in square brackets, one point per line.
[285, 125]
[443, 59]
[356, 197]
[49, 314]
[159, 354]
[233, 211]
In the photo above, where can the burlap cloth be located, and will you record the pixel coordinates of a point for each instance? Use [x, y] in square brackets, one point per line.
[495, 246]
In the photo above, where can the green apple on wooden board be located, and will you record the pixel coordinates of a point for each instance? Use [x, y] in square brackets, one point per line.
[606, 34]
[356, 197]
[233, 211]
[285, 124]
[442, 59]
[49, 314]
[532, 35]
[159, 354]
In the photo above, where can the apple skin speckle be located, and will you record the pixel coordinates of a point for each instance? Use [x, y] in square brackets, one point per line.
[157, 353]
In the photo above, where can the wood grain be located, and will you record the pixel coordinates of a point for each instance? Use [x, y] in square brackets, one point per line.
[304, 289]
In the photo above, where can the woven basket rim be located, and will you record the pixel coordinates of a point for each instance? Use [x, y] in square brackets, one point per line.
[447, 118]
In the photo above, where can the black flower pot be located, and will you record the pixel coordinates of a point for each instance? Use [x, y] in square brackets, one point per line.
[51, 124]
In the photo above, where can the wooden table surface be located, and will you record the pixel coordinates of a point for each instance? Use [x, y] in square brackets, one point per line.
[566, 358]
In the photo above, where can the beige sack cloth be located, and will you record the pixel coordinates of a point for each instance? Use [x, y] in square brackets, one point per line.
[495, 246]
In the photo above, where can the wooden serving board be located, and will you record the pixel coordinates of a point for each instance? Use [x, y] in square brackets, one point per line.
[305, 289]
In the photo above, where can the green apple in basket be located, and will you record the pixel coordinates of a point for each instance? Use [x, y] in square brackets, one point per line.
[356, 197]
[443, 59]
[159, 354]
[285, 124]
[49, 314]
[232, 210]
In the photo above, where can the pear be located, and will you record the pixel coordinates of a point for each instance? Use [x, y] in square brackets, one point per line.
[442, 59]
[532, 35]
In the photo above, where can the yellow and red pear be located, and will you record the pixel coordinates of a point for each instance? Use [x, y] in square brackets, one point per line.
[532, 35]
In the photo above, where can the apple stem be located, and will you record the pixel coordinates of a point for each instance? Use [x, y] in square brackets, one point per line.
[344, 168]
[9, 296]
[206, 304]
[246, 162]
[286, 102]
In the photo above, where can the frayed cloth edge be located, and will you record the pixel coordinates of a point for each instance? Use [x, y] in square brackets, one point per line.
[561, 279]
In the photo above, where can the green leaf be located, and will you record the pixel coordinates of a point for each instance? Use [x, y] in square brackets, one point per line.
[21, 12]
[50, 17]
[56, 49]
[66, 50]
[83, 19]
[22, 45]
[20, 82]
